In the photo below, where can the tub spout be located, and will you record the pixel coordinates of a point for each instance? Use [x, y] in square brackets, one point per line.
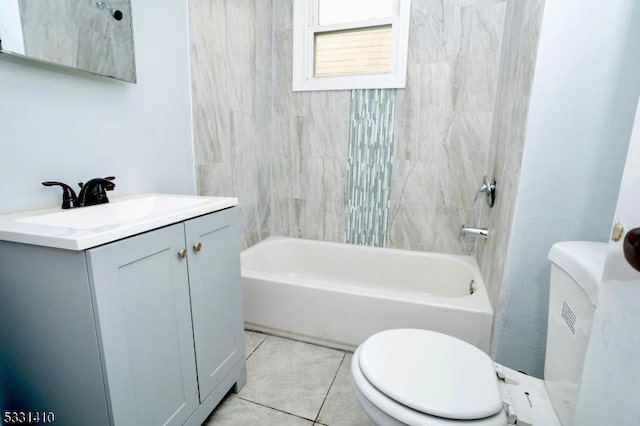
[476, 232]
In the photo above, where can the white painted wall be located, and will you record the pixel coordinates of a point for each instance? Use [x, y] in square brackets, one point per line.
[69, 126]
[11, 27]
[581, 112]
[610, 390]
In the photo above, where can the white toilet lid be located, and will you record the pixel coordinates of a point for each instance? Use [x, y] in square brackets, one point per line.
[431, 372]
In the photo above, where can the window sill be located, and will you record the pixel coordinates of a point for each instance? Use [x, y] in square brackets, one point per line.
[372, 81]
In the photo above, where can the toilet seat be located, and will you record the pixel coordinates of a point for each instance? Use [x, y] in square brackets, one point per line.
[521, 397]
[432, 373]
[385, 411]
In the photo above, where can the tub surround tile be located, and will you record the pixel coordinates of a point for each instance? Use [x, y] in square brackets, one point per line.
[322, 108]
[507, 138]
[236, 411]
[324, 200]
[309, 164]
[443, 123]
[241, 52]
[298, 141]
[311, 131]
[370, 165]
[285, 153]
[320, 214]
[513, 342]
[287, 216]
[442, 120]
[293, 376]
[231, 43]
[341, 406]
[442, 213]
[289, 167]
[440, 30]
[334, 181]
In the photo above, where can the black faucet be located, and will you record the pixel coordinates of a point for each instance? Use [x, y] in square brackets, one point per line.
[91, 193]
[69, 198]
[95, 191]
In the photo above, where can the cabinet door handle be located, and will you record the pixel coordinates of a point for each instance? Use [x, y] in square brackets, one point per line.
[197, 246]
[182, 253]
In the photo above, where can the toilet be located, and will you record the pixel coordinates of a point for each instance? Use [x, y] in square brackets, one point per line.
[421, 377]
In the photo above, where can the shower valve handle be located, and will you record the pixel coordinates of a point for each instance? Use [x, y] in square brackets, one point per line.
[488, 187]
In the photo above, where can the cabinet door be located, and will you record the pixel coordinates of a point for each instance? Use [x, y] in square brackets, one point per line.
[214, 276]
[141, 294]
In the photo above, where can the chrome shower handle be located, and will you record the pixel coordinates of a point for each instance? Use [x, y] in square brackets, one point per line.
[488, 187]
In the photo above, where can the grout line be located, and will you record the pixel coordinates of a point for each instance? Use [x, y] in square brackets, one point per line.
[344, 355]
[300, 339]
[259, 344]
[273, 408]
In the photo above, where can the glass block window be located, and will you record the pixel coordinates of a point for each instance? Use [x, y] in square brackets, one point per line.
[350, 44]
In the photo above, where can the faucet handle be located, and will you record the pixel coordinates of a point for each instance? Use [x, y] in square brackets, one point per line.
[488, 187]
[109, 178]
[109, 185]
[69, 198]
[94, 191]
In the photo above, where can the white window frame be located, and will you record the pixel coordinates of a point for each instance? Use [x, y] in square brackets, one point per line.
[305, 18]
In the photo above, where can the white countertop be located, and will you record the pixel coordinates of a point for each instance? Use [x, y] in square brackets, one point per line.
[86, 227]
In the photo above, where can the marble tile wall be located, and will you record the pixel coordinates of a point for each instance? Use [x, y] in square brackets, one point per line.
[231, 46]
[311, 133]
[443, 122]
[441, 132]
[519, 51]
[80, 35]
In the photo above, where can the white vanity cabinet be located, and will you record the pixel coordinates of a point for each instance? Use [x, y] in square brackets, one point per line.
[146, 330]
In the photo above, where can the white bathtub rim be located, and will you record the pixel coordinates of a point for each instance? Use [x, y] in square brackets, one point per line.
[477, 302]
[465, 259]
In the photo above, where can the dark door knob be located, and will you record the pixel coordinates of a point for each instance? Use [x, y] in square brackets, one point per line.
[631, 248]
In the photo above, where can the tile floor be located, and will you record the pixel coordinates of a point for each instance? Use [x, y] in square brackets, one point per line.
[291, 383]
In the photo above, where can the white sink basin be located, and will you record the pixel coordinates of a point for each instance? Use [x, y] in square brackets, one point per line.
[114, 213]
[86, 227]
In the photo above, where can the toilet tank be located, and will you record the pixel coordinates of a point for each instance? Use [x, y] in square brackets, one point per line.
[576, 272]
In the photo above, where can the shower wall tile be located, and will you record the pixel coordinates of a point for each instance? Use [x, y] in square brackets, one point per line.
[287, 216]
[507, 139]
[311, 131]
[441, 132]
[423, 223]
[443, 30]
[443, 123]
[231, 43]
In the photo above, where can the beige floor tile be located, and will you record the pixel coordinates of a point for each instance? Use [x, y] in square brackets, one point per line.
[234, 411]
[341, 407]
[252, 340]
[291, 376]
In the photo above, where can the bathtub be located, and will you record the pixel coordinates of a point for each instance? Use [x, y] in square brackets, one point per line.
[337, 294]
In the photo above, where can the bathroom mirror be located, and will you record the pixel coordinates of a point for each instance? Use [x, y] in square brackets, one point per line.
[90, 35]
